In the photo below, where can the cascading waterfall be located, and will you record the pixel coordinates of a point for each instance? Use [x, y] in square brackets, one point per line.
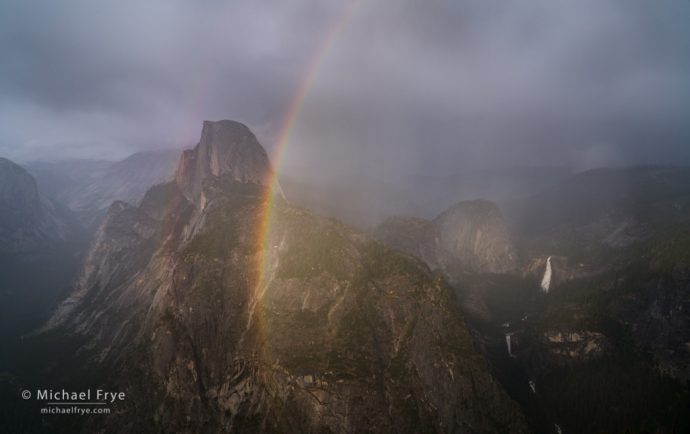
[557, 428]
[509, 345]
[546, 280]
[533, 386]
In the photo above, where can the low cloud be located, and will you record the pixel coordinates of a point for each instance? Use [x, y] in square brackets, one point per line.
[406, 87]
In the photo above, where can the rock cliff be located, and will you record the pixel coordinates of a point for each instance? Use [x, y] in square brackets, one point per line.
[29, 222]
[468, 237]
[216, 317]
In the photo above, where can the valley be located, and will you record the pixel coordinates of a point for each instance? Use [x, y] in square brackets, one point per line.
[529, 321]
[345, 217]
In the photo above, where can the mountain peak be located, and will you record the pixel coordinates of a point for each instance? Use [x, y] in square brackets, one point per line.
[227, 124]
[29, 222]
[226, 149]
[468, 236]
[478, 208]
[18, 191]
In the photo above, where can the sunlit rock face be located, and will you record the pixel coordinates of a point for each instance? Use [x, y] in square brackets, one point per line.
[470, 236]
[29, 222]
[213, 321]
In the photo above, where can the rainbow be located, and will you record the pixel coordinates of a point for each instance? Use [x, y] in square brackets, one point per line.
[286, 129]
[262, 277]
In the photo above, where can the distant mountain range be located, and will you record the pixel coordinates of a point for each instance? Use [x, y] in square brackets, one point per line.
[366, 202]
[89, 187]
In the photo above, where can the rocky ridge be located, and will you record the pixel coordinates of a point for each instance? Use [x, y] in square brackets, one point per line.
[319, 329]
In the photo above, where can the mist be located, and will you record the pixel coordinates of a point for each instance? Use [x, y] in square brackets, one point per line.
[466, 215]
[402, 91]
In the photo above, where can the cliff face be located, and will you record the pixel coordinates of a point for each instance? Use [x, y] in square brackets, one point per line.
[622, 240]
[29, 222]
[213, 321]
[468, 237]
[226, 148]
[472, 234]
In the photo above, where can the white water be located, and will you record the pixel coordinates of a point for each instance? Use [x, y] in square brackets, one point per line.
[508, 345]
[558, 428]
[546, 280]
[533, 386]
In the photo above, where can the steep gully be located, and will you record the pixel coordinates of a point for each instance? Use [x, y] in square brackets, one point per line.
[498, 348]
[501, 348]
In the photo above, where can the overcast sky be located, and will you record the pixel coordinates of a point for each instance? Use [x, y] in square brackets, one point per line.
[406, 87]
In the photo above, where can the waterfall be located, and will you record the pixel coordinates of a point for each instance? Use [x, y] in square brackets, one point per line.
[546, 280]
[533, 386]
[558, 428]
[508, 344]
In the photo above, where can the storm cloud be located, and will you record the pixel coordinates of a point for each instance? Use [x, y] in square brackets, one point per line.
[405, 87]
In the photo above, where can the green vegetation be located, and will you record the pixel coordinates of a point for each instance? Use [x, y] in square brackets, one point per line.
[312, 252]
[621, 392]
[667, 249]
[218, 238]
[616, 394]
[380, 262]
[384, 261]
[213, 244]
[308, 319]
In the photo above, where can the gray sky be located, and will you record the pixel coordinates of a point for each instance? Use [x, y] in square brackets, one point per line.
[406, 87]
